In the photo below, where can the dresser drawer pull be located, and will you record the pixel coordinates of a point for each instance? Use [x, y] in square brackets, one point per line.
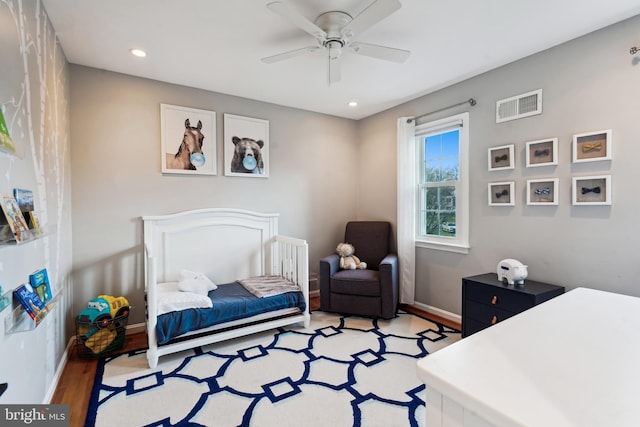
[494, 320]
[494, 300]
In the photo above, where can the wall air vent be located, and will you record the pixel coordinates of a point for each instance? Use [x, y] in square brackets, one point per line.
[519, 106]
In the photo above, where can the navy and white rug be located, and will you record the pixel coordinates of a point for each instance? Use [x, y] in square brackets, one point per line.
[341, 371]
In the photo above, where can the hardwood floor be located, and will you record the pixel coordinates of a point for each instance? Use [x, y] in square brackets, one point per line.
[76, 381]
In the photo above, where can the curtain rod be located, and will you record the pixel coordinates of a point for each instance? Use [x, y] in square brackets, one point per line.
[470, 101]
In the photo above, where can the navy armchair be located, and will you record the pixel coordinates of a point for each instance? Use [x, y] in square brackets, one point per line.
[372, 292]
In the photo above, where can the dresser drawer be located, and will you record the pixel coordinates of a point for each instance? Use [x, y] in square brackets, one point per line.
[486, 314]
[505, 299]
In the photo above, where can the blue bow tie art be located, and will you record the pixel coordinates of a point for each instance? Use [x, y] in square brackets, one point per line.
[542, 191]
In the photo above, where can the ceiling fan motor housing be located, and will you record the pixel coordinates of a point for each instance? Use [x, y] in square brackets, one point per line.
[332, 24]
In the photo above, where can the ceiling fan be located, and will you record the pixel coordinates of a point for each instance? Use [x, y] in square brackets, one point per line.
[335, 30]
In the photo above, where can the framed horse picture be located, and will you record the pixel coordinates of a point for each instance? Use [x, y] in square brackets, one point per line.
[188, 140]
[246, 147]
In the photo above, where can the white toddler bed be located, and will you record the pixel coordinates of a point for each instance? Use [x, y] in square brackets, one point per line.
[225, 245]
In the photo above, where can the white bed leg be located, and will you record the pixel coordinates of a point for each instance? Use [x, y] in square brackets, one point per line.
[152, 358]
[307, 319]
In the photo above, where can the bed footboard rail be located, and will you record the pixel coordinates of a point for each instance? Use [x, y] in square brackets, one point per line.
[290, 259]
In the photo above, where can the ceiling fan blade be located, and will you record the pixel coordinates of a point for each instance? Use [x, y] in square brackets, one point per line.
[380, 52]
[287, 12]
[289, 54]
[334, 74]
[375, 12]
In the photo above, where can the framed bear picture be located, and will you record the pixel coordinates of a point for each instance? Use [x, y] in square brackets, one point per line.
[246, 147]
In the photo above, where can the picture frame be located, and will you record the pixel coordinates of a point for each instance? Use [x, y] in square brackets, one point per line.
[591, 190]
[246, 146]
[502, 193]
[593, 146]
[188, 140]
[501, 158]
[543, 152]
[543, 191]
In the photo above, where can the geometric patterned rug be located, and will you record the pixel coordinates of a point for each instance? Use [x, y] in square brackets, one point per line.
[341, 371]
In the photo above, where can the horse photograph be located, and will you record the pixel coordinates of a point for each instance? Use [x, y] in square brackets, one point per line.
[246, 146]
[188, 140]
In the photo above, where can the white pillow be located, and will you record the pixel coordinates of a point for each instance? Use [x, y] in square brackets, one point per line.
[170, 298]
[192, 281]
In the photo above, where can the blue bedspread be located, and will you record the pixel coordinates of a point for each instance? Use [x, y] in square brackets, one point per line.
[231, 301]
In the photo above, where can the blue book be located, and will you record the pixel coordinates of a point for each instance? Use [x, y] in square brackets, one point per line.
[31, 302]
[39, 281]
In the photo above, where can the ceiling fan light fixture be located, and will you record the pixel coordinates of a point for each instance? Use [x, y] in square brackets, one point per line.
[335, 48]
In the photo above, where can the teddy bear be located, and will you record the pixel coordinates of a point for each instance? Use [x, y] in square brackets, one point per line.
[348, 261]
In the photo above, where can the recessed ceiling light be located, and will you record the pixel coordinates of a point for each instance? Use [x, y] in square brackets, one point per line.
[138, 52]
[353, 104]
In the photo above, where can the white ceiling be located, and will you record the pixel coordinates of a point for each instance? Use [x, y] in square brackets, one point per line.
[216, 45]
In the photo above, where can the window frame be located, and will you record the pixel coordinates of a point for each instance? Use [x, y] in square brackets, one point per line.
[459, 243]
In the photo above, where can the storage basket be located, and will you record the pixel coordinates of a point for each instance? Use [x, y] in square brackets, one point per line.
[102, 336]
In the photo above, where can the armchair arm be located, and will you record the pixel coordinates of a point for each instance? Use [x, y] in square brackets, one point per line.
[389, 285]
[329, 266]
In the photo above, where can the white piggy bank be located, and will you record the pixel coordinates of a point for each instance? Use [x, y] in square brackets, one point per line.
[512, 270]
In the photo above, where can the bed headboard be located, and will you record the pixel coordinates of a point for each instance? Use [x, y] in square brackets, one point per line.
[224, 244]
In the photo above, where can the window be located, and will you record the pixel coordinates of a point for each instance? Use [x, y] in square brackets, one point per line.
[443, 184]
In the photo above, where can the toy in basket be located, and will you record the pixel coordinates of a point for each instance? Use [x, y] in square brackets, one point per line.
[101, 326]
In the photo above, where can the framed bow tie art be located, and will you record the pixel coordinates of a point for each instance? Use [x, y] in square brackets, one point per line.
[542, 191]
[591, 190]
[502, 193]
[592, 146]
[543, 152]
[501, 158]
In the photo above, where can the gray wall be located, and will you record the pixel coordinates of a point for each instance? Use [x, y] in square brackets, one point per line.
[34, 98]
[117, 177]
[589, 84]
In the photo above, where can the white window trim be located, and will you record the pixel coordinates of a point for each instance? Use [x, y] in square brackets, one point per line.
[460, 243]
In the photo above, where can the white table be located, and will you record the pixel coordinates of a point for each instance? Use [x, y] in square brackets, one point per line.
[571, 361]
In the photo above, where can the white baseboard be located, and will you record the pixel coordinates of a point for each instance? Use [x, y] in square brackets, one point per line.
[135, 328]
[438, 311]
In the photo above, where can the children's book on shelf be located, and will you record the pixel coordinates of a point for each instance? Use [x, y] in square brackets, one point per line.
[39, 281]
[29, 300]
[24, 198]
[34, 223]
[6, 143]
[14, 219]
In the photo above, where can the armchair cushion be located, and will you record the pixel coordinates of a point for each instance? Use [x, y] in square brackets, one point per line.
[356, 282]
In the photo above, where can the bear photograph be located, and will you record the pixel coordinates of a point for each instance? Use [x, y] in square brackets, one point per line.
[188, 140]
[246, 146]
